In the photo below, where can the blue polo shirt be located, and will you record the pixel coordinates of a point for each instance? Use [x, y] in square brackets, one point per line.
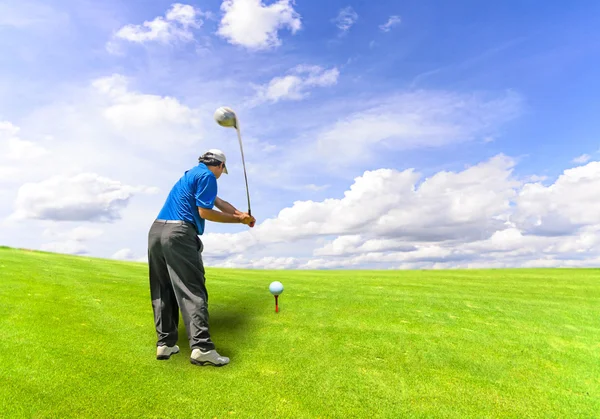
[196, 188]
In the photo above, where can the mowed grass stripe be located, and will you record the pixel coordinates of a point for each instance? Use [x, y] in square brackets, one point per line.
[79, 342]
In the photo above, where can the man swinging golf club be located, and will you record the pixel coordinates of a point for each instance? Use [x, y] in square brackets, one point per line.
[176, 270]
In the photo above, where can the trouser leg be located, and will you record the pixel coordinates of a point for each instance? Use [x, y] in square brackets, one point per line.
[164, 302]
[182, 249]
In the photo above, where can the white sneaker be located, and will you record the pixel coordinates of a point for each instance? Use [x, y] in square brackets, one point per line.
[208, 358]
[165, 352]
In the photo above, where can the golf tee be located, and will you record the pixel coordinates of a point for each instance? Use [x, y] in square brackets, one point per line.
[276, 304]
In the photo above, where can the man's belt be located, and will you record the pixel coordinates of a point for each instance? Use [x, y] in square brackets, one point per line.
[180, 222]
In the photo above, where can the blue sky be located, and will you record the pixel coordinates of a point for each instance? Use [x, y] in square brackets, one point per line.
[327, 93]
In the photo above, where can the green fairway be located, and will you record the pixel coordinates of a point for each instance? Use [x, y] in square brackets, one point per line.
[79, 341]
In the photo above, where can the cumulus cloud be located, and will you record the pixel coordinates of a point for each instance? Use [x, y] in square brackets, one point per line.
[14, 148]
[296, 85]
[81, 233]
[345, 19]
[563, 207]
[176, 25]
[8, 130]
[479, 217]
[104, 127]
[85, 197]
[357, 244]
[267, 262]
[17, 154]
[124, 254]
[68, 246]
[144, 119]
[72, 242]
[253, 25]
[447, 206]
[392, 21]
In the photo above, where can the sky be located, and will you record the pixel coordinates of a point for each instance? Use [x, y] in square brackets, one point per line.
[377, 135]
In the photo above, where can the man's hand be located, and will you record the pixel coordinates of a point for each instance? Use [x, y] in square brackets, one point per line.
[245, 218]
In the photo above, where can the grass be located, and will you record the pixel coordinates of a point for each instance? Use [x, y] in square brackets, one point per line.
[79, 341]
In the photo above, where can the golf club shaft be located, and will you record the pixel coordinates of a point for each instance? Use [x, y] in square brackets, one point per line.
[244, 164]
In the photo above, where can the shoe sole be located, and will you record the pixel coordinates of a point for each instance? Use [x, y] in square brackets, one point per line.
[203, 363]
[164, 357]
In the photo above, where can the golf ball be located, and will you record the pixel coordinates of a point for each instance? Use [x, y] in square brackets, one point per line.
[276, 288]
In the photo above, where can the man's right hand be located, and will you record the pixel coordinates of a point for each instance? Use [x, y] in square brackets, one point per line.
[245, 218]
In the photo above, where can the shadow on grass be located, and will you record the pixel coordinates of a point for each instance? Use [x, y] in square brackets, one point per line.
[229, 329]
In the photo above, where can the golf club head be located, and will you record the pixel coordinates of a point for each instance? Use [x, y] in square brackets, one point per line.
[226, 117]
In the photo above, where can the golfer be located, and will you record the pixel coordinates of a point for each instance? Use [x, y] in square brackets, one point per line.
[176, 269]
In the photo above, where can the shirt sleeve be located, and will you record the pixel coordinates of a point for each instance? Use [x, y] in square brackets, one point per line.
[206, 192]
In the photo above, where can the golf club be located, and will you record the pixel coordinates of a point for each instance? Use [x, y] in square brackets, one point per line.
[226, 117]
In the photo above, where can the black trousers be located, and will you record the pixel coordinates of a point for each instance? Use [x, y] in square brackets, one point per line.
[177, 282]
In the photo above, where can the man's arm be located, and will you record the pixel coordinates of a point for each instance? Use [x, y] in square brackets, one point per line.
[226, 207]
[222, 217]
[217, 216]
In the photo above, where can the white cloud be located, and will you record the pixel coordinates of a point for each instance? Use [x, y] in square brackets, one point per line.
[584, 158]
[415, 120]
[68, 246]
[392, 21]
[14, 148]
[447, 206]
[377, 131]
[296, 85]
[345, 19]
[176, 25]
[479, 217]
[72, 241]
[102, 129]
[110, 129]
[105, 127]
[563, 207]
[124, 254]
[184, 14]
[252, 24]
[81, 233]
[147, 120]
[536, 178]
[16, 153]
[356, 244]
[85, 197]
[8, 130]
[267, 262]
[128, 254]
[315, 188]
[17, 149]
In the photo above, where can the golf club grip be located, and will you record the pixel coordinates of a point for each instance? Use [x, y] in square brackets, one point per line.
[250, 214]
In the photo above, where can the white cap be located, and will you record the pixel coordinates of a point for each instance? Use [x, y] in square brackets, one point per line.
[217, 155]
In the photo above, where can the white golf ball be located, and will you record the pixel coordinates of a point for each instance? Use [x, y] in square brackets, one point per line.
[276, 288]
[225, 117]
